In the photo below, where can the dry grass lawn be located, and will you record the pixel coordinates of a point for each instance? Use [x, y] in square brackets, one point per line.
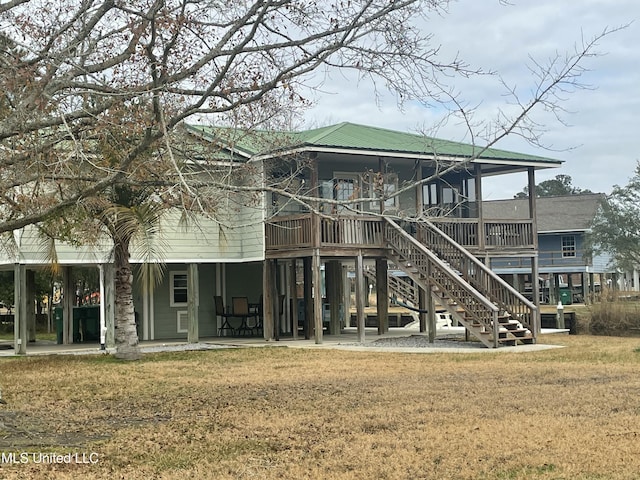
[278, 413]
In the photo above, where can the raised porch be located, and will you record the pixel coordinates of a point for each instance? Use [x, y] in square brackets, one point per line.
[298, 235]
[442, 257]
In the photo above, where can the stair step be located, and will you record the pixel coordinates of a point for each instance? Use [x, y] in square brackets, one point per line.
[518, 339]
[514, 333]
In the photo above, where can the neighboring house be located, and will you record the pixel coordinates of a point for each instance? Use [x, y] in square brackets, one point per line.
[295, 255]
[567, 271]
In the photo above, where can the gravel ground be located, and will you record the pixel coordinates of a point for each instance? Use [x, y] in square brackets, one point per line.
[422, 341]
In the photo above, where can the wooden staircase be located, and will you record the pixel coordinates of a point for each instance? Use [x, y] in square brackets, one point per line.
[488, 307]
[398, 287]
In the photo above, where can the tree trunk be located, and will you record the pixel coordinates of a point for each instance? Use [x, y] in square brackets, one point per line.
[127, 346]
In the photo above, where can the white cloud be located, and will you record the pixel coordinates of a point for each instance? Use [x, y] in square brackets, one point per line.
[601, 144]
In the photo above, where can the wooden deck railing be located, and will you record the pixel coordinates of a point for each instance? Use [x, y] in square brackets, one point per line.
[497, 233]
[360, 231]
[288, 232]
[297, 232]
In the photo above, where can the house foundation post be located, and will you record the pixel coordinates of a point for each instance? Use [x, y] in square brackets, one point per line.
[67, 306]
[269, 289]
[193, 300]
[430, 305]
[346, 293]
[317, 296]
[308, 298]
[293, 291]
[535, 292]
[584, 279]
[334, 294]
[31, 310]
[275, 295]
[382, 295]
[360, 293]
[422, 305]
[20, 334]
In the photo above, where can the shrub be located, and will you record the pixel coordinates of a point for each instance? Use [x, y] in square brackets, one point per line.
[614, 317]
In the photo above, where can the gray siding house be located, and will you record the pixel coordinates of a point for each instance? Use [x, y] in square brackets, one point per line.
[567, 271]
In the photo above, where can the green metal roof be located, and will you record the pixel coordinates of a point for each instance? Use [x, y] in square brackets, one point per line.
[357, 138]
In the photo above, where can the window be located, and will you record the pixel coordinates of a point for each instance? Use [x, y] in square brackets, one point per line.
[568, 246]
[430, 195]
[345, 188]
[178, 294]
[389, 186]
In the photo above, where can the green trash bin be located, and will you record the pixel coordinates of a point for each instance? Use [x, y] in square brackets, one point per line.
[91, 330]
[566, 296]
[86, 324]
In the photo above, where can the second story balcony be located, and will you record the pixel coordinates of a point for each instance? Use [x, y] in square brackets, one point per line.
[341, 235]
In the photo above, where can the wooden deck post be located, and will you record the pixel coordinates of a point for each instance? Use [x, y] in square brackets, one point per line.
[276, 301]
[268, 299]
[533, 209]
[422, 305]
[293, 291]
[193, 289]
[317, 296]
[67, 308]
[382, 295]
[478, 184]
[535, 291]
[585, 287]
[346, 293]
[20, 313]
[419, 189]
[431, 310]
[334, 288]
[360, 293]
[308, 298]
[31, 311]
[556, 287]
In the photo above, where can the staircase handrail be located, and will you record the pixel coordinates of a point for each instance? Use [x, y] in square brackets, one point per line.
[481, 266]
[448, 271]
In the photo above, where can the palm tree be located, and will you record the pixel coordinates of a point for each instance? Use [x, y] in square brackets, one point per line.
[133, 217]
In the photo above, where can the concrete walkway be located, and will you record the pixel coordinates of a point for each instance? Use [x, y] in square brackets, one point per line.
[347, 340]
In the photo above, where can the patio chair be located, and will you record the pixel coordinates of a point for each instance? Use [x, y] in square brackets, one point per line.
[221, 312]
[240, 309]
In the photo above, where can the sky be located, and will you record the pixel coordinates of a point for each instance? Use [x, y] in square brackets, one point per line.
[599, 136]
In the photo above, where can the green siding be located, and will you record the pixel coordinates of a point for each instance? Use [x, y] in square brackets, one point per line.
[166, 316]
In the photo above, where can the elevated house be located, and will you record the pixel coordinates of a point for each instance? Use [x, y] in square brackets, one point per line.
[338, 199]
[567, 272]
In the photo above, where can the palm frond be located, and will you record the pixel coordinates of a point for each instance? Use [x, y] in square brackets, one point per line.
[139, 227]
[48, 253]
